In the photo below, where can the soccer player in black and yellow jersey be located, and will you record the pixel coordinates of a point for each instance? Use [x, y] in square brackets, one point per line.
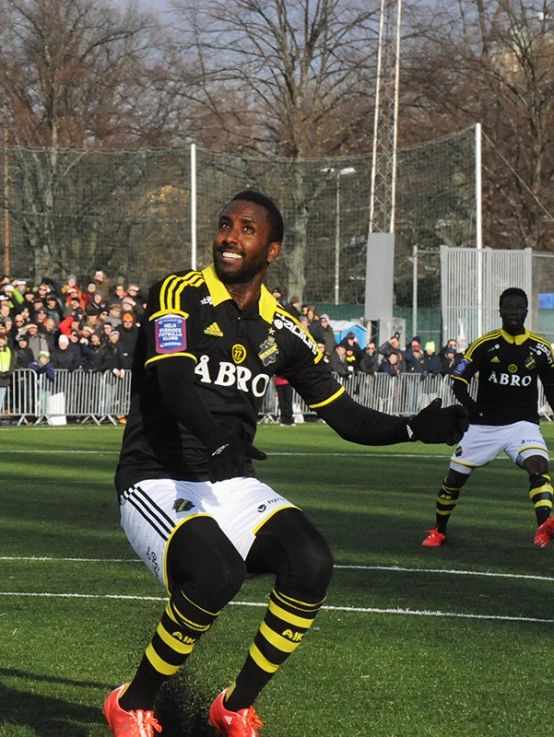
[504, 417]
[190, 503]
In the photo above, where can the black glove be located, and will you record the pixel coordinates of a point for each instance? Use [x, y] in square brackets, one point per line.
[436, 425]
[229, 456]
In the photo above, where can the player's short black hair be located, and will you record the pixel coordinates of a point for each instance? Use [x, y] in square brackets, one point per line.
[276, 223]
[513, 292]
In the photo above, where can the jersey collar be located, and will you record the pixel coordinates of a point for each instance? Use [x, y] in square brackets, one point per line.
[517, 339]
[218, 292]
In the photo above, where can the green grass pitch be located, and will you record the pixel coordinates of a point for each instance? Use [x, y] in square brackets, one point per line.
[413, 642]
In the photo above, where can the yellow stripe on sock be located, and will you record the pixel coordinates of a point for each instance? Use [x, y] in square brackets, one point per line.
[160, 665]
[288, 617]
[278, 641]
[261, 661]
[296, 603]
[183, 648]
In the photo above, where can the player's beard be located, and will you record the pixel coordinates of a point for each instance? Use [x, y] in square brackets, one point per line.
[249, 268]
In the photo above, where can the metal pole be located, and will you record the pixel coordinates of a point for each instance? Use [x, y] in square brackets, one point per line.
[376, 120]
[193, 207]
[337, 241]
[478, 228]
[414, 290]
[6, 200]
[395, 121]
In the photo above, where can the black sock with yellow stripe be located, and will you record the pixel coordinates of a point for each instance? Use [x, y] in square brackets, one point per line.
[286, 621]
[540, 492]
[182, 623]
[447, 499]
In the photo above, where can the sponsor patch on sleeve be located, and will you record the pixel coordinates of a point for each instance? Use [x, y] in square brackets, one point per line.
[459, 370]
[171, 334]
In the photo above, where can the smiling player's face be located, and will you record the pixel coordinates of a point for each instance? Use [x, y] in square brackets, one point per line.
[241, 247]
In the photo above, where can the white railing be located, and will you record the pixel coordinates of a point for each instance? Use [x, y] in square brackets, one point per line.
[91, 396]
[81, 395]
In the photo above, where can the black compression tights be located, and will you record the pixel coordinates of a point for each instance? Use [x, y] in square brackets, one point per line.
[206, 572]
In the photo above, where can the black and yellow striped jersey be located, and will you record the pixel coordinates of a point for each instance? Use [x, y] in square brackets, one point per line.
[508, 367]
[191, 315]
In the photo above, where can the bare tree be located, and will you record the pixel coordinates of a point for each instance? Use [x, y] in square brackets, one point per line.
[70, 72]
[280, 78]
[491, 62]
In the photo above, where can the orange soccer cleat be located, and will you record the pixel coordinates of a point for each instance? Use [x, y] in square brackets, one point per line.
[129, 723]
[242, 723]
[545, 533]
[434, 539]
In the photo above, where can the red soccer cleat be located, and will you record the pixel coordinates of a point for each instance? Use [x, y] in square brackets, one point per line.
[434, 539]
[128, 723]
[545, 533]
[242, 723]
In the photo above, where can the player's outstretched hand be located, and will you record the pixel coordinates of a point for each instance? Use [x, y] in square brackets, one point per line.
[229, 456]
[436, 425]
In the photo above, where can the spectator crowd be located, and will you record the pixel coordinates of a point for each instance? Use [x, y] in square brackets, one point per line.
[49, 326]
[94, 327]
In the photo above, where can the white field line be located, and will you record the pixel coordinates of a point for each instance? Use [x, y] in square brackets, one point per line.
[363, 610]
[356, 610]
[367, 454]
[394, 569]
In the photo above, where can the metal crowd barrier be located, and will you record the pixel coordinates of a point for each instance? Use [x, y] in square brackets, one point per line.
[79, 395]
[91, 396]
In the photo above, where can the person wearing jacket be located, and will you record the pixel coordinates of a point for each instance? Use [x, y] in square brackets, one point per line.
[7, 360]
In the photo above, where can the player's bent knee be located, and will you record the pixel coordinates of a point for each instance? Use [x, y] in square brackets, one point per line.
[312, 573]
[291, 547]
[202, 561]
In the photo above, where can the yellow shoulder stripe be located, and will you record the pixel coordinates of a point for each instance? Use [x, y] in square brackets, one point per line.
[481, 340]
[159, 313]
[170, 291]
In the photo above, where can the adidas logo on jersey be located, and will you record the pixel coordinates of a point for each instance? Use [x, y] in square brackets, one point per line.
[495, 360]
[214, 329]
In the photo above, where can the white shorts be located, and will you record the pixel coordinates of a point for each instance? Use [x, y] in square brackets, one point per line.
[152, 510]
[481, 444]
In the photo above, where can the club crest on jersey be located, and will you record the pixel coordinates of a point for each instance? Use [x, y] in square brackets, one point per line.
[268, 351]
[171, 334]
[530, 363]
[239, 353]
[182, 505]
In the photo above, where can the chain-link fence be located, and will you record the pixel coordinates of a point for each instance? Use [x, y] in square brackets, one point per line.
[130, 212]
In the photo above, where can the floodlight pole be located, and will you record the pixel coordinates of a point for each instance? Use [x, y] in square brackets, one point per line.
[478, 228]
[6, 197]
[193, 207]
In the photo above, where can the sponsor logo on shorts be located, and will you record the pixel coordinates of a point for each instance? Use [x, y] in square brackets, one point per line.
[182, 505]
[269, 502]
[152, 556]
